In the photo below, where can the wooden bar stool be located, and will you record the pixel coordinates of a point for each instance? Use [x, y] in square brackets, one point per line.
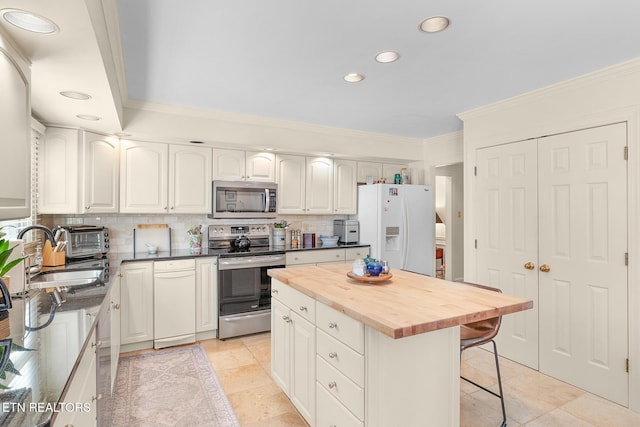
[478, 333]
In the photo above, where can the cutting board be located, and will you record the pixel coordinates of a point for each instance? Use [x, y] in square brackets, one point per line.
[154, 234]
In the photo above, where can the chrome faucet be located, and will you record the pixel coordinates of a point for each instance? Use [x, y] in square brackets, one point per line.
[48, 233]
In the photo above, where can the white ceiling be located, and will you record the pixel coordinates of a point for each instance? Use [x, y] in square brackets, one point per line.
[285, 59]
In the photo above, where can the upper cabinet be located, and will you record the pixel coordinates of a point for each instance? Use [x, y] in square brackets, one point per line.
[234, 165]
[369, 170]
[78, 172]
[305, 185]
[345, 194]
[162, 178]
[15, 118]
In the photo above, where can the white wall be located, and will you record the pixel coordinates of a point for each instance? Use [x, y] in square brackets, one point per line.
[607, 96]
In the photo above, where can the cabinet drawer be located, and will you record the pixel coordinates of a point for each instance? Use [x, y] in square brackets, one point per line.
[175, 264]
[317, 256]
[330, 412]
[298, 302]
[356, 253]
[342, 388]
[340, 326]
[341, 357]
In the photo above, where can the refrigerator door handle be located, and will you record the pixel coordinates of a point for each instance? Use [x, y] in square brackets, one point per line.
[404, 234]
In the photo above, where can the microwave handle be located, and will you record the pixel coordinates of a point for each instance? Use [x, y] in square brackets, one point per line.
[266, 200]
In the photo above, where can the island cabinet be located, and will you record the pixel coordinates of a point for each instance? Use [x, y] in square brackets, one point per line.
[386, 354]
[293, 349]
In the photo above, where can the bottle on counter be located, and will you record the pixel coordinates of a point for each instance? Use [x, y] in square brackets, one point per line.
[38, 257]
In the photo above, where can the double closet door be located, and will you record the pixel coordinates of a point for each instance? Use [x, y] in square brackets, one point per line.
[552, 227]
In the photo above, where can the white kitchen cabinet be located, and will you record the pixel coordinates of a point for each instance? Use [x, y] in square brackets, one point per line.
[101, 173]
[235, 165]
[314, 256]
[345, 190]
[305, 185]
[136, 287]
[352, 254]
[389, 171]
[293, 348]
[369, 169]
[79, 172]
[206, 296]
[143, 177]
[189, 179]
[115, 301]
[15, 118]
[81, 390]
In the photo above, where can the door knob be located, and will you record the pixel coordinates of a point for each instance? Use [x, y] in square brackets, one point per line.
[545, 268]
[529, 266]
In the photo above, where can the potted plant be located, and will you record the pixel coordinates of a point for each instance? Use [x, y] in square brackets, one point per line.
[5, 253]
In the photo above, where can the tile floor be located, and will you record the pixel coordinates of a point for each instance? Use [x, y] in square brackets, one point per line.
[532, 399]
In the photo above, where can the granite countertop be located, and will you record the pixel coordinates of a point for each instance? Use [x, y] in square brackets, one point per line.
[40, 364]
[407, 304]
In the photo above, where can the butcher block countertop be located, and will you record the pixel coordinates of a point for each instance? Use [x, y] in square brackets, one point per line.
[407, 304]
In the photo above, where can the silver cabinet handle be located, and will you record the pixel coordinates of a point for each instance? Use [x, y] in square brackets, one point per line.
[96, 344]
[274, 291]
[333, 355]
[286, 319]
[333, 384]
[333, 325]
[303, 308]
[94, 398]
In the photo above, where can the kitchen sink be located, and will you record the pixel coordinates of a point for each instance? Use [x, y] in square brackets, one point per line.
[69, 278]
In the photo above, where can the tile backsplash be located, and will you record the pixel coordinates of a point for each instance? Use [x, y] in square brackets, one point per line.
[121, 225]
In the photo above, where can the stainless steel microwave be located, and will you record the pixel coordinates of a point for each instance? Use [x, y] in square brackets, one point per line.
[243, 199]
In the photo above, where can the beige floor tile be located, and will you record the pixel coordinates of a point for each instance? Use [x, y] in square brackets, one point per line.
[601, 412]
[558, 418]
[232, 358]
[215, 345]
[476, 412]
[260, 403]
[539, 387]
[243, 378]
[288, 419]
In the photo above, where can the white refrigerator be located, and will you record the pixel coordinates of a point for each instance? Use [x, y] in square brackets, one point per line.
[398, 221]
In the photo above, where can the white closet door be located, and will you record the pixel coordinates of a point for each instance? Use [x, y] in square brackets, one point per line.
[583, 240]
[508, 239]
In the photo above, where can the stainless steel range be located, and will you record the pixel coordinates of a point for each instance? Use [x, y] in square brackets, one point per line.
[244, 288]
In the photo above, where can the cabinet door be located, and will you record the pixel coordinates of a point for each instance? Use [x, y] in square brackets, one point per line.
[228, 165]
[101, 178]
[82, 389]
[15, 116]
[260, 167]
[303, 366]
[143, 177]
[58, 169]
[189, 179]
[115, 327]
[369, 169]
[345, 194]
[291, 184]
[136, 288]
[206, 294]
[280, 345]
[319, 188]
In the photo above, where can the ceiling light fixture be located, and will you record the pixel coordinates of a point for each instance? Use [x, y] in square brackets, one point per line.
[434, 24]
[88, 117]
[387, 56]
[75, 95]
[29, 21]
[354, 77]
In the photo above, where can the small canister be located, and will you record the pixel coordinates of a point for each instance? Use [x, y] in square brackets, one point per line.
[287, 238]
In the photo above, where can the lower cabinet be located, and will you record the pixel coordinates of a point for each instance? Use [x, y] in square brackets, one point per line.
[115, 326]
[136, 284]
[206, 297]
[293, 348]
[323, 256]
[81, 391]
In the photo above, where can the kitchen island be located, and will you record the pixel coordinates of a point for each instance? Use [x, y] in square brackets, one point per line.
[359, 354]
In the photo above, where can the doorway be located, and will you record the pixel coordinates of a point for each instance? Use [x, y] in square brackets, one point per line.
[449, 228]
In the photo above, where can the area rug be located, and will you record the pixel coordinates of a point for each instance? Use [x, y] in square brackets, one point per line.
[170, 387]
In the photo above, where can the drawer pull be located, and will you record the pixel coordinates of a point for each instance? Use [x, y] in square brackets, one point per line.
[303, 308]
[95, 398]
[333, 384]
[286, 319]
[333, 325]
[274, 291]
[333, 355]
[96, 344]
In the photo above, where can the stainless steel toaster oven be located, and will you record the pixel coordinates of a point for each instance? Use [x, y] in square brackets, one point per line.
[85, 241]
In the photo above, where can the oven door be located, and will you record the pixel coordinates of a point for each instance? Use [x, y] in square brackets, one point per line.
[243, 283]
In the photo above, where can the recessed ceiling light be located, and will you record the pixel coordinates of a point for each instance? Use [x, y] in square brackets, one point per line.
[434, 24]
[29, 21]
[354, 77]
[387, 56]
[87, 117]
[75, 95]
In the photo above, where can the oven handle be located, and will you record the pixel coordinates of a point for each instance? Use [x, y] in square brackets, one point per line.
[251, 262]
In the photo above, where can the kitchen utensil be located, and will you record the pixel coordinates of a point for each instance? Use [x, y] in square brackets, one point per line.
[151, 249]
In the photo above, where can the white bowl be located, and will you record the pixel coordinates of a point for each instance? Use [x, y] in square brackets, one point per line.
[329, 240]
